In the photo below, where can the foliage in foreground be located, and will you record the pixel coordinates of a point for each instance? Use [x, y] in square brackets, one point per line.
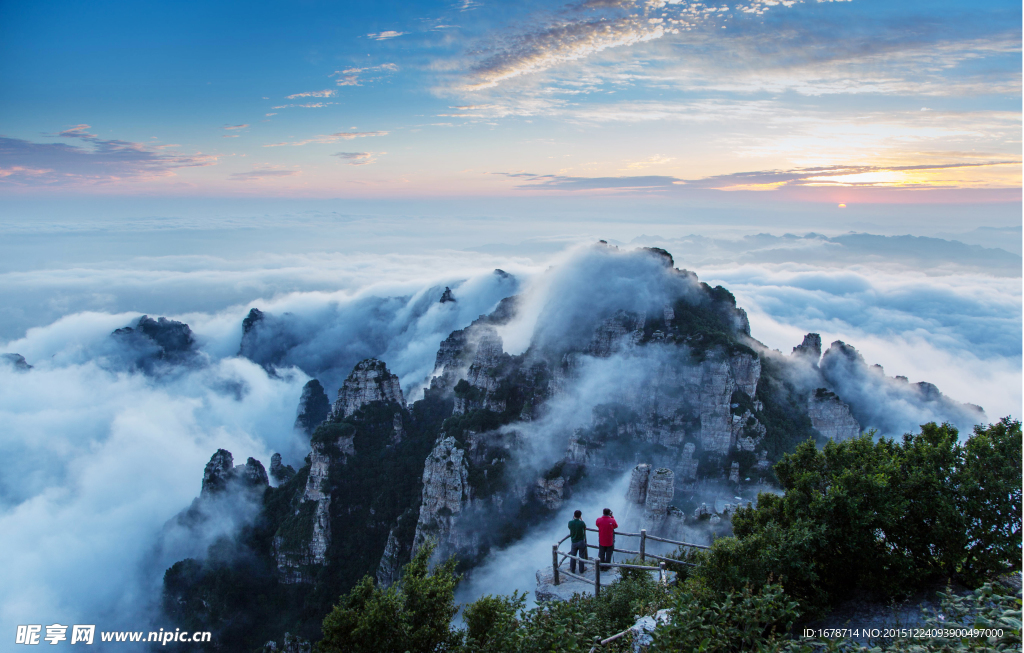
[413, 615]
[883, 516]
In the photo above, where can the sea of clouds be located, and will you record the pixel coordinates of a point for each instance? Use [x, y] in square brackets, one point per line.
[99, 455]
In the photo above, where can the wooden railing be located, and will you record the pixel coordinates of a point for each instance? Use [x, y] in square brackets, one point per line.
[558, 557]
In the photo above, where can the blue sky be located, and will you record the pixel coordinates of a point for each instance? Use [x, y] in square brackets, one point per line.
[825, 102]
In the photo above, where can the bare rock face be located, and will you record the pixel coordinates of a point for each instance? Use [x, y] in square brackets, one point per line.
[637, 492]
[481, 380]
[734, 473]
[387, 571]
[315, 504]
[218, 473]
[720, 378]
[660, 490]
[317, 490]
[369, 381]
[688, 464]
[609, 336]
[446, 491]
[314, 407]
[447, 296]
[831, 417]
[254, 474]
[810, 348]
[550, 492]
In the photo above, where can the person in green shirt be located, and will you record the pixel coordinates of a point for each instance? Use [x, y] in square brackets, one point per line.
[578, 539]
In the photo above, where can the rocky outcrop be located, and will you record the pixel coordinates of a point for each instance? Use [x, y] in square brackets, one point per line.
[809, 349]
[550, 492]
[173, 337]
[309, 531]
[217, 473]
[831, 417]
[317, 490]
[314, 407]
[151, 345]
[17, 361]
[720, 379]
[447, 296]
[660, 490]
[478, 388]
[221, 474]
[266, 340]
[891, 405]
[279, 472]
[636, 494]
[649, 501]
[446, 491]
[370, 381]
[387, 570]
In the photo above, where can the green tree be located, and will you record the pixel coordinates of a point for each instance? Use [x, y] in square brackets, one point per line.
[881, 515]
[414, 615]
[989, 498]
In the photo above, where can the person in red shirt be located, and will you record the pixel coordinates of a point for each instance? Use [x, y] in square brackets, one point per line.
[606, 526]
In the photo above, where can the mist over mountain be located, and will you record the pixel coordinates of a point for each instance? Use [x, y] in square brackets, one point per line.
[110, 429]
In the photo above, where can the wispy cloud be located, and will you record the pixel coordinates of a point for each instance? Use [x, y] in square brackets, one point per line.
[324, 93]
[330, 138]
[264, 173]
[358, 158]
[543, 49]
[356, 76]
[563, 182]
[385, 35]
[907, 176]
[307, 105]
[97, 161]
[850, 176]
[591, 26]
[655, 160]
[230, 127]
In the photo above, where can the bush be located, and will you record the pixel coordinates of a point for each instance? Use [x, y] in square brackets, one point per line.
[412, 616]
[491, 622]
[883, 516]
[735, 621]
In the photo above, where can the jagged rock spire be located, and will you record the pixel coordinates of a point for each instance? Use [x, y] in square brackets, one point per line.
[369, 381]
[810, 347]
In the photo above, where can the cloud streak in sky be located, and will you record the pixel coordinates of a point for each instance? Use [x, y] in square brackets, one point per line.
[358, 158]
[764, 180]
[330, 138]
[99, 161]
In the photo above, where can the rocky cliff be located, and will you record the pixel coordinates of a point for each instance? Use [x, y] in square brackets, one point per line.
[831, 417]
[314, 407]
[370, 381]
